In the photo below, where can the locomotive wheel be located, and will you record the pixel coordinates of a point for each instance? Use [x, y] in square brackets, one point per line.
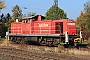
[18, 40]
[49, 42]
[56, 42]
[42, 41]
[23, 41]
[13, 40]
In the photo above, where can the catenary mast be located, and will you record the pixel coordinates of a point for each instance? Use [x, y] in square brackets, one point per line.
[55, 10]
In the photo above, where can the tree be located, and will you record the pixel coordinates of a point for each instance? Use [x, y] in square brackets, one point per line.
[3, 30]
[83, 20]
[61, 14]
[87, 7]
[29, 14]
[88, 25]
[1, 16]
[5, 22]
[87, 12]
[2, 5]
[8, 16]
[9, 20]
[17, 13]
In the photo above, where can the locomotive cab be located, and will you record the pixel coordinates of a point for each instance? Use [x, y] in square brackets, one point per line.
[27, 19]
[38, 18]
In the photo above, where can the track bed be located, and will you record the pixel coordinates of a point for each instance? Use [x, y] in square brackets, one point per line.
[18, 52]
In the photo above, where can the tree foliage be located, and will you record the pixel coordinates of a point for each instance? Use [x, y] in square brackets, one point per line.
[81, 20]
[5, 18]
[87, 12]
[87, 7]
[5, 21]
[17, 13]
[2, 5]
[61, 14]
[29, 14]
[3, 29]
[84, 19]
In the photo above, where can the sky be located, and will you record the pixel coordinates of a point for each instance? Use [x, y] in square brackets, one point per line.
[71, 7]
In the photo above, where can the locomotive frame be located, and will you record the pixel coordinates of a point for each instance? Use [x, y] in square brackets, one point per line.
[37, 30]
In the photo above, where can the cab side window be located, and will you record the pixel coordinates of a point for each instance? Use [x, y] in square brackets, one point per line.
[26, 21]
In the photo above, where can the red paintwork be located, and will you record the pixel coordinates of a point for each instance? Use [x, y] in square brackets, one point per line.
[40, 26]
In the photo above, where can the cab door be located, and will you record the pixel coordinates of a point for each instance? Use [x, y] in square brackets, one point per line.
[59, 27]
[26, 27]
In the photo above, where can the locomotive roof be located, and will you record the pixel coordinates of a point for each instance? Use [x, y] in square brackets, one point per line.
[27, 17]
[33, 17]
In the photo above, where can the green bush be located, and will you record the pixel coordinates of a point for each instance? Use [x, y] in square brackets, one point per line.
[85, 42]
[89, 41]
[2, 38]
[60, 46]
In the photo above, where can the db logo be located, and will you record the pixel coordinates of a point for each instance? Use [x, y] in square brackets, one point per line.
[43, 25]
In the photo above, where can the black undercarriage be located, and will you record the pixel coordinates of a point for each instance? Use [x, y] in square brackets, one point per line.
[47, 40]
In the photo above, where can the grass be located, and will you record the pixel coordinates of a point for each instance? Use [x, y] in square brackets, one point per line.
[85, 42]
[78, 52]
[5, 43]
[59, 48]
[2, 38]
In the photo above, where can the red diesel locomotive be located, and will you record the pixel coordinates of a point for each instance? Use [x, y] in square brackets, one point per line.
[37, 30]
